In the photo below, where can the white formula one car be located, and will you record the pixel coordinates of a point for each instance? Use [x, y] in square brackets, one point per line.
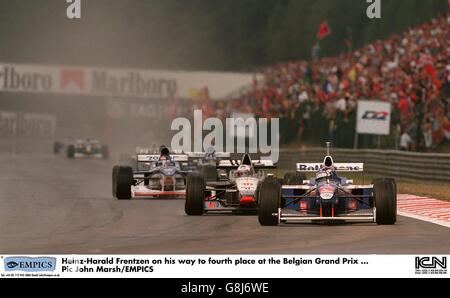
[236, 190]
[156, 176]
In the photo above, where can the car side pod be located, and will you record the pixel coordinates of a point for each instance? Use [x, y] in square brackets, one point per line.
[269, 202]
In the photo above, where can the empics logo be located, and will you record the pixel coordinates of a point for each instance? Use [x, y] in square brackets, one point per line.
[12, 264]
[29, 264]
[431, 265]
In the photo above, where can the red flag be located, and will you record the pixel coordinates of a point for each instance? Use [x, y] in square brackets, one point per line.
[324, 30]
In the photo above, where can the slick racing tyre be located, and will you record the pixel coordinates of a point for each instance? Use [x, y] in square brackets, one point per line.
[195, 194]
[71, 151]
[124, 180]
[294, 178]
[115, 170]
[385, 198]
[209, 172]
[269, 202]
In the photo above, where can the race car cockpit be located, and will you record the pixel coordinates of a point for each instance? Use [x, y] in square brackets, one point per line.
[244, 171]
[165, 159]
[328, 172]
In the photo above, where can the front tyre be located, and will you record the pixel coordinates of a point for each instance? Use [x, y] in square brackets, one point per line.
[195, 194]
[385, 198]
[124, 180]
[269, 202]
[115, 170]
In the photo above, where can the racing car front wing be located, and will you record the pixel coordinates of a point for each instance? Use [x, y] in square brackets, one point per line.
[285, 216]
[86, 155]
[143, 192]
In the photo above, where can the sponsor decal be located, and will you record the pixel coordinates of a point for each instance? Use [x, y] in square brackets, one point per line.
[87, 81]
[29, 264]
[72, 76]
[318, 167]
[12, 79]
[373, 115]
[132, 83]
[27, 124]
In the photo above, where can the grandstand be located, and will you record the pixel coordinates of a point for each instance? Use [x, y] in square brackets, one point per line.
[317, 99]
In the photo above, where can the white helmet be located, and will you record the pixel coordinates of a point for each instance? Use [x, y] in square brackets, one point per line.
[243, 170]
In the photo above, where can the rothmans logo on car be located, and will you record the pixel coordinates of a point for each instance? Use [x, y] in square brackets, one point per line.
[339, 167]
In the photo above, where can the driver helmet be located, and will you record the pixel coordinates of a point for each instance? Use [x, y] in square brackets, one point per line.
[243, 171]
[164, 160]
[324, 174]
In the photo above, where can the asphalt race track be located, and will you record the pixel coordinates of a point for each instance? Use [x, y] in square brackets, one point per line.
[53, 205]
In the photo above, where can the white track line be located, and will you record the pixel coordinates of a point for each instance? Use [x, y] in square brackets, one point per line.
[425, 209]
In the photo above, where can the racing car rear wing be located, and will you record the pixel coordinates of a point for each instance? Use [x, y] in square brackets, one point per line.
[257, 164]
[154, 158]
[340, 167]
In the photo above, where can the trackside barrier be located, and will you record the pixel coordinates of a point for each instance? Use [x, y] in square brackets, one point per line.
[387, 163]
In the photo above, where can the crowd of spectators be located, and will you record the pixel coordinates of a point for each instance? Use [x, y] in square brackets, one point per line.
[317, 99]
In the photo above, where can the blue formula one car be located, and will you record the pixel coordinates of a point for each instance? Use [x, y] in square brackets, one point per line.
[328, 197]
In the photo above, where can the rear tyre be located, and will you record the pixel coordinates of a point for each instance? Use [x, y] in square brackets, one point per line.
[195, 195]
[124, 180]
[71, 151]
[209, 172]
[385, 197]
[115, 170]
[269, 202]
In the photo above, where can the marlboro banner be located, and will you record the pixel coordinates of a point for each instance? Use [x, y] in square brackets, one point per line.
[125, 83]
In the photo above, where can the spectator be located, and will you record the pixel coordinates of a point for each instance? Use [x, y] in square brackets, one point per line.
[405, 142]
[318, 98]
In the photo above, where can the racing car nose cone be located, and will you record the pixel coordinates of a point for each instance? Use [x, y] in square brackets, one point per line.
[247, 200]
